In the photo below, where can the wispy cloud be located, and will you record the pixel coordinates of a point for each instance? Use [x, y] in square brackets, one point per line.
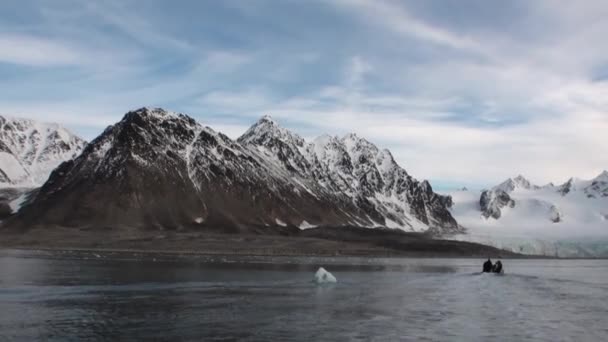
[35, 51]
[396, 18]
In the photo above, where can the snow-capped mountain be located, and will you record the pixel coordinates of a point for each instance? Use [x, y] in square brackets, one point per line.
[355, 168]
[519, 182]
[30, 150]
[550, 219]
[160, 169]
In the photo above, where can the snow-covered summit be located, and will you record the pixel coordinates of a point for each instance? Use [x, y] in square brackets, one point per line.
[592, 188]
[30, 150]
[602, 176]
[357, 169]
[267, 129]
[268, 119]
[519, 182]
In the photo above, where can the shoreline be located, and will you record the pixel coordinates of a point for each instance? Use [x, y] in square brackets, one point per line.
[320, 242]
[192, 253]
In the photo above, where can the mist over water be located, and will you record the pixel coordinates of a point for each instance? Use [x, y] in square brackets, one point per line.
[92, 297]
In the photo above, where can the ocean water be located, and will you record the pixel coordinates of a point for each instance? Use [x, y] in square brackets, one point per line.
[88, 296]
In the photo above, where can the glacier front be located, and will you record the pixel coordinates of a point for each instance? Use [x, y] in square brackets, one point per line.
[568, 220]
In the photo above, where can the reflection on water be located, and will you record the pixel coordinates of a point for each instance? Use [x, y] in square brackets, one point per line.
[51, 296]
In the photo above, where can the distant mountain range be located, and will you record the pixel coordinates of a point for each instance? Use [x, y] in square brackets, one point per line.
[568, 220]
[160, 170]
[30, 150]
[156, 169]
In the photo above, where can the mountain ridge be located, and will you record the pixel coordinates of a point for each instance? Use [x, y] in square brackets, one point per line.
[160, 169]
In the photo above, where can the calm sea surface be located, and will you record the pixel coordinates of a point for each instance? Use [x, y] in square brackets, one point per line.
[88, 296]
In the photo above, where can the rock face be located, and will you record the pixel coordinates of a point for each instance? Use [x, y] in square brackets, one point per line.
[358, 172]
[156, 169]
[492, 201]
[30, 150]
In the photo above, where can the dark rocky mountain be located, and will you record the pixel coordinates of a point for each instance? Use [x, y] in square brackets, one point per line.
[159, 170]
[492, 201]
[358, 171]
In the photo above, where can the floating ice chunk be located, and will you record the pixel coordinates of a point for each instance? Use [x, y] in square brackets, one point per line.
[324, 277]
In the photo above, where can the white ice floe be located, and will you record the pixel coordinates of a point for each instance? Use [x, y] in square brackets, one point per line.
[324, 277]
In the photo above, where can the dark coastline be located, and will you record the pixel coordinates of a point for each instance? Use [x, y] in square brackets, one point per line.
[359, 242]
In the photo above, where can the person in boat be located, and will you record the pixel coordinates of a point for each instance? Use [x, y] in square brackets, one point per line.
[487, 266]
[497, 267]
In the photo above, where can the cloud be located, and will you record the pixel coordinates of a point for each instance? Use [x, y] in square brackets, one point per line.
[396, 18]
[36, 51]
[236, 102]
[125, 19]
[467, 94]
[224, 61]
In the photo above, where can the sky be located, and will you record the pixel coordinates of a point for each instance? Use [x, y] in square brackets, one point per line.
[463, 92]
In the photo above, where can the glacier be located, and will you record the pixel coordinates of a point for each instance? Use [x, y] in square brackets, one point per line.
[569, 220]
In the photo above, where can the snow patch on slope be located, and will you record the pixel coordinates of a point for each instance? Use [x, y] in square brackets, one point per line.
[17, 203]
[11, 168]
[306, 225]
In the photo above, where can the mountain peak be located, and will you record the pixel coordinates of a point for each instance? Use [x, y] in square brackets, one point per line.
[265, 130]
[353, 141]
[519, 182]
[602, 176]
[267, 119]
[152, 112]
[520, 177]
[352, 137]
[522, 182]
[323, 139]
[32, 149]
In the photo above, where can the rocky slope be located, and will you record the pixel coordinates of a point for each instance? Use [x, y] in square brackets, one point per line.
[356, 169]
[30, 150]
[567, 220]
[156, 169]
